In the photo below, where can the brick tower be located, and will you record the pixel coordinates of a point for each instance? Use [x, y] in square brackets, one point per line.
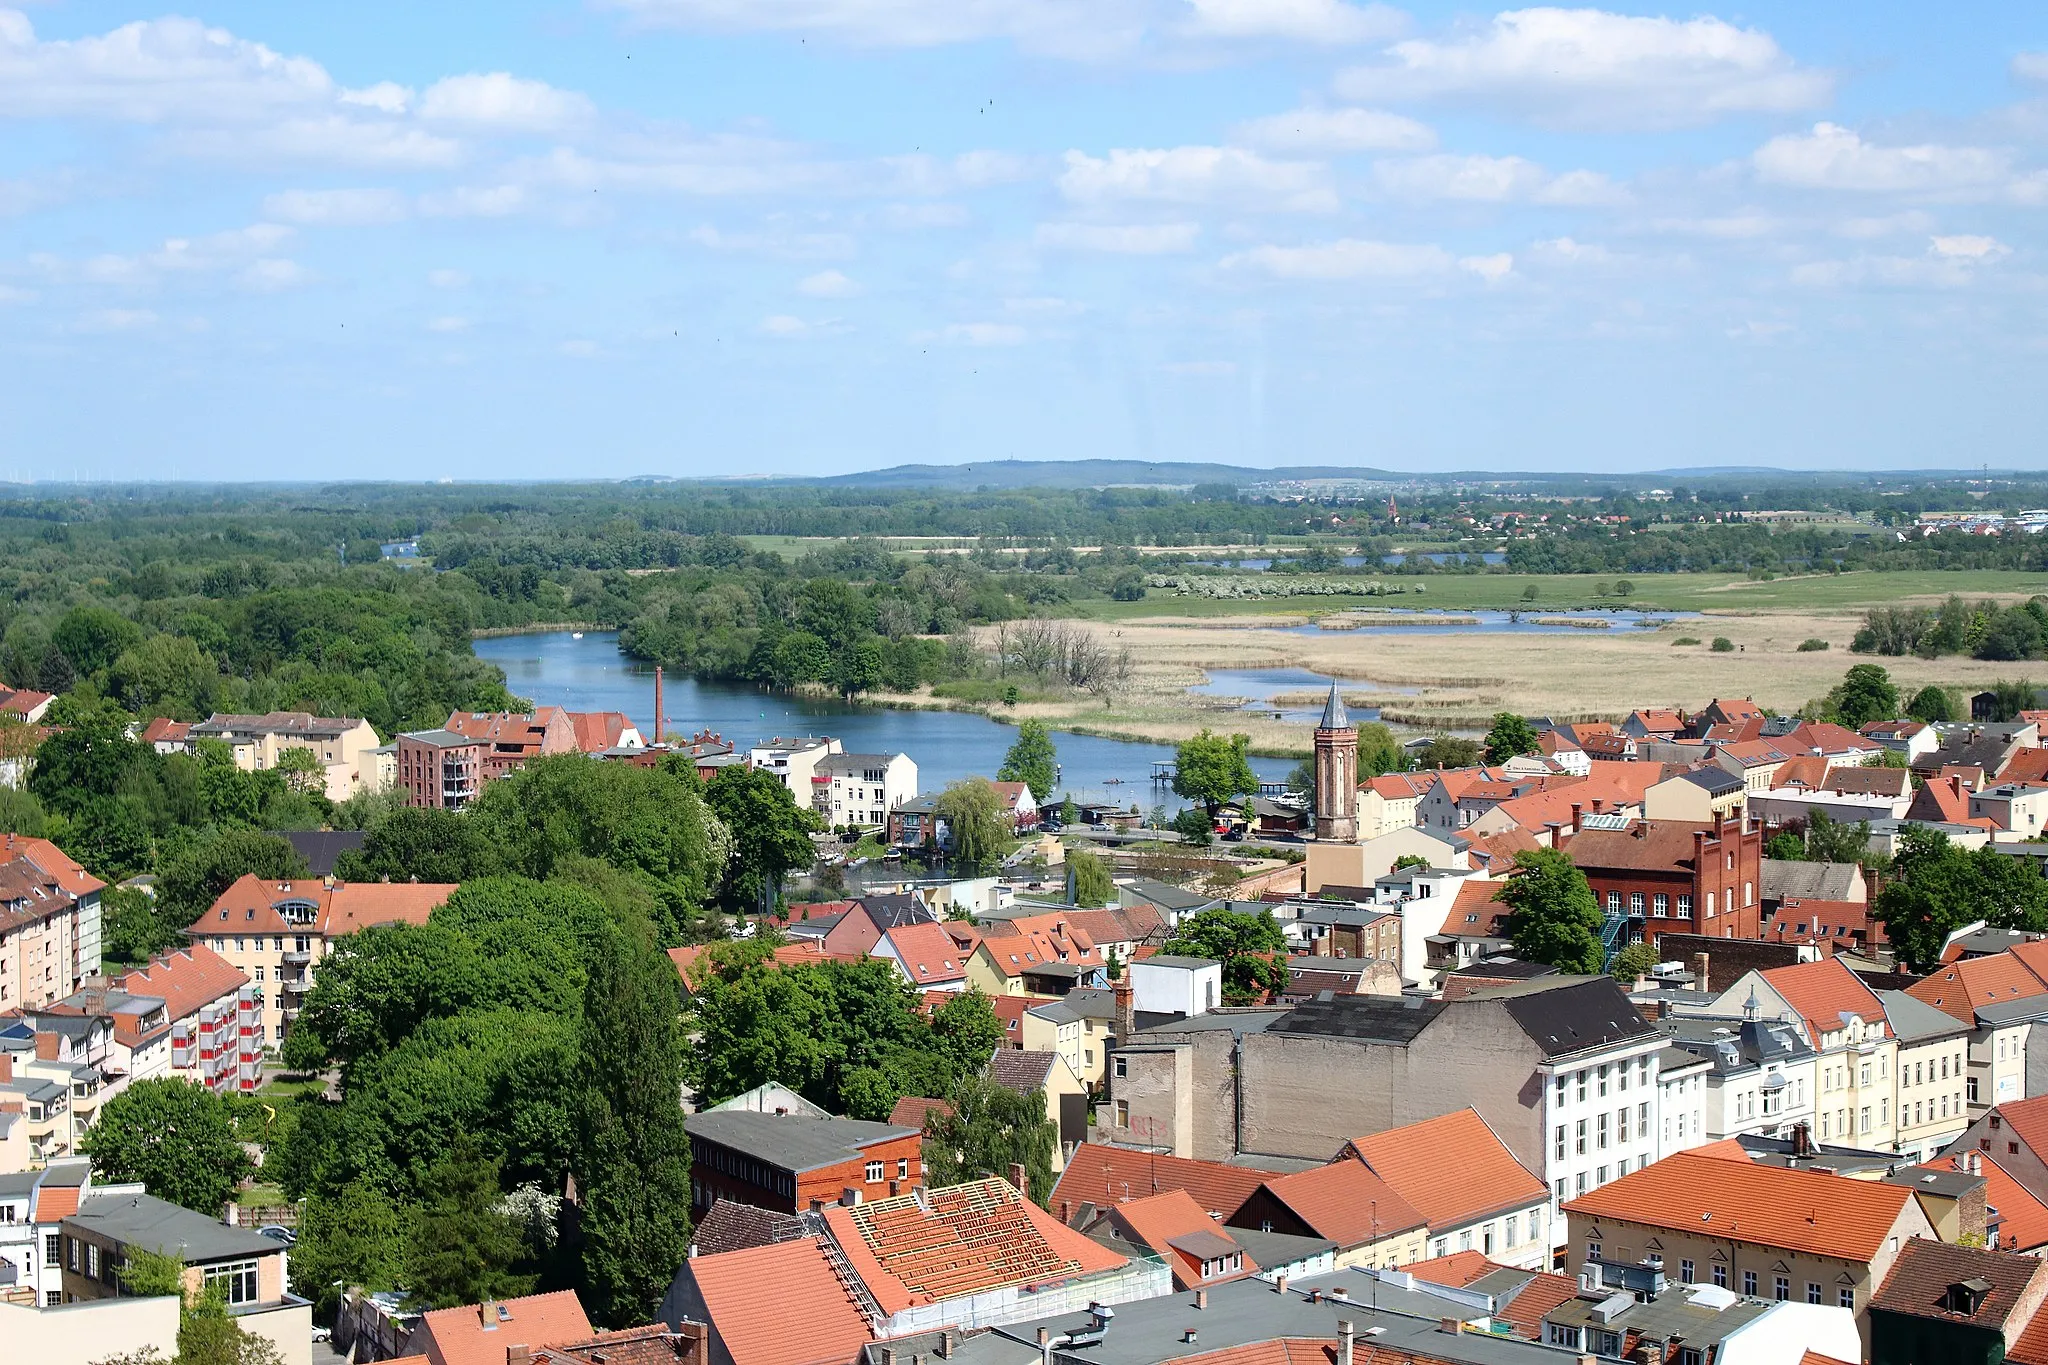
[1336, 774]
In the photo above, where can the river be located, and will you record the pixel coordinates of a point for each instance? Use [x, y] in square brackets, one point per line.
[554, 668]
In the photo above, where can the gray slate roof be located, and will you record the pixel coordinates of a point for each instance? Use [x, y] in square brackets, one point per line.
[787, 1141]
[1022, 1072]
[1915, 1021]
[143, 1220]
[1804, 881]
[1335, 717]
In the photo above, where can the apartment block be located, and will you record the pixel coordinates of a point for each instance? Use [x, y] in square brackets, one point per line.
[345, 746]
[49, 923]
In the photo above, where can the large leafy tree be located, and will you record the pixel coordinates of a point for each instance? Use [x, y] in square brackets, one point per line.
[1448, 751]
[1932, 704]
[1866, 693]
[85, 761]
[1510, 737]
[175, 1137]
[1213, 769]
[353, 1237]
[633, 1162]
[1935, 887]
[432, 845]
[1250, 946]
[977, 824]
[193, 880]
[464, 1248]
[990, 1129]
[1092, 883]
[1032, 760]
[1556, 919]
[770, 833]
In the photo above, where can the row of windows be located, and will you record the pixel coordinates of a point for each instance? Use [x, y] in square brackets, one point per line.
[1919, 1073]
[1510, 1236]
[1599, 1176]
[1600, 1130]
[1781, 1285]
[1599, 1078]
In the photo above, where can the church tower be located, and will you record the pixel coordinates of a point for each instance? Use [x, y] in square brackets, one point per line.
[1336, 774]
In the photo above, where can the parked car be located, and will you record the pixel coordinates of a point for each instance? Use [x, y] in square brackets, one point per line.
[278, 1233]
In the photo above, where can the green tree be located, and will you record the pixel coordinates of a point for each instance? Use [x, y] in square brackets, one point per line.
[463, 1247]
[1092, 882]
[859, 667]
[1447, 751]
[1935, 887]
[1250, 946]
[633, 1164]
[771, 833]
[1379, 752]
[1510, 737]
[1213, 770]
[1032, 760]
[1866, 693]
[990, 1129]
[1192, 826]
[83, 762]
[301, 770]
[1933, 705]
[132, 929]
[1834, 841]
[433, 845]
[93, 637]
[1555, 919]
[977, 824]
[1786, 846]
[1634, 961]
[354, 1237]
[207, 1333]
[967, 1030]
[193, 880]
[175, 1137]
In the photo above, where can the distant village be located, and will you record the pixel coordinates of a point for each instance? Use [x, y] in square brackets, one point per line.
[1739, 1126]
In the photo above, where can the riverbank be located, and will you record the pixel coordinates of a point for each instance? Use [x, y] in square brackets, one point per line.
[539, 628]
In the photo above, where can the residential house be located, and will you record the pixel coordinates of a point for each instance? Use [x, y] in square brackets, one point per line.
[791, 1163]
[1566, 752]
[439, 769]
[1654, 725]
[1672, 877]
[2008, 1142]
[1931, 1043]
[25, 704]
[35, 1104]
[1120, 930]
[1341, 866]
[915, 823]
[1840, 746]
[204, 1010]
[1390, 802]
[1761, 1075]
[1308, 977]
[1101, 1174]
[1020, 804]
[343, 745]
[2015, 1218]
[1682, 1077]
[1697, 796]
[1166, 988]
[1066, 1096]
[812, 1317]
[49, 923]
[600, 732]
[276, 933]
[932, 956]
[249, 1269]
[1915, 739]
[2018, 809]
[33, 1207]
[1789, 883]
[1761, 1231]
[1467, 1186]
[1955, 1304]
[794, 761]
[2003, 998]
[858, 930]
[1987, 747]
[508, 740]
[1179, 1232]
[1338, 929]
[860, 789]
[1342, 1202]
[1755, 761]
[1035, 955]
[1080, 1026]
[167, 736]
[1174, 903]
[499, 1331]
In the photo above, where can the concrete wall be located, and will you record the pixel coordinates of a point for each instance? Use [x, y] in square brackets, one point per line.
[80, 1333]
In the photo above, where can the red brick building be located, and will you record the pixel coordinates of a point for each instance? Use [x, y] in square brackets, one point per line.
[791, 1163]
[1676, 877]
[439, 769]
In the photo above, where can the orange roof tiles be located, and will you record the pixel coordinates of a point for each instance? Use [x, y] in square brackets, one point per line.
[1959, 988]
[1806, 1211]
[364, 905]
[807, 1319]
[1540, 809]
[185, 979]
[922, 1248]
[54, 862]
[929, 953]
[55, 1201]
[1345, 1202]
[2022, 1219]
[912, 1110]
[253, 906]
[2027, 765]
[1524, 1310]
[1402, 786]
[1101, 1174]
[1477, 912]
[1457, 1270]
[1453, 1170]
[1821, 992]
[1161, 1220]
[2027, 1120]
[1829, 738]
[1946, 801]
[461, 1336]
[1034, 940]
[596, 731]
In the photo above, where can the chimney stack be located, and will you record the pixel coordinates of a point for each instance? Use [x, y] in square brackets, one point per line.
[1018, 1178]
[1700, 978]
[1347, 1340]
[1280, 1284]
[947, 1339]
[1578, 817]
[1201, 1299]
[1125, 1016]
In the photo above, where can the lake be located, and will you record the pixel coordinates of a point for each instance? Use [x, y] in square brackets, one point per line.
[1527, 621]
[591, 674]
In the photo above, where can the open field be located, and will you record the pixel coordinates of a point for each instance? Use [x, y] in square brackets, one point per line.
[1659, 592]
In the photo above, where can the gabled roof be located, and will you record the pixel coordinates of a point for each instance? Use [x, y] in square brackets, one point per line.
[913, 1110]
[807, 1319]
[1658, 722]
[1345, 1202]
[1704, 1195]
[1021, 1071]
[466, 1336]
[1962, 988]
[1786, 879]
[295, 723]
[1566, 1014]
[1477, 912]
[1945, 801]
[1453, 1170]
[1829, 738]
[254, 906]
[2028, 765]
[185, 979]
[1100, 1174]
[729, 1225]
[52, 861]
[1822, 992]
[1176, 1228]
[2022, 1218]
[929, 953]
[1402, 786]
[1918, 1284]
[1646, 846]
[596, 731]
[963, 1239]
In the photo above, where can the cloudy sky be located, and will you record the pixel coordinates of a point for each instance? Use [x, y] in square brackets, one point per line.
[559, 238]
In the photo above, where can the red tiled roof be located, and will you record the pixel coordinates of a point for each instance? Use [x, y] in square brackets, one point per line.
[1453, 1170]
[2027, 1120]
[1829, 738]
[54, 862]
[912, 1110]
[1481, 899]
[917, 1249]
[1808, 770]
[1645, 846]
[1961, 987]
[1753, 753]
[1772, 1206]
[56, 1201]
[250, 906]
[596, 731]
[21, 701]
[1554, 806]
[1821, 992]
[1160, 1220]
[2023, 1219]
[164, 730]
[1495, 853]
[807, 1319]
[1735, 708]
[1345, 1202]
[460, 1336]
[1034, 940]
[1101, 1174]
[185, 979]
[1659, 722]
[2027, 765]
[929, 953]
[364, 905]
[1402, 786]
[1457, 1269]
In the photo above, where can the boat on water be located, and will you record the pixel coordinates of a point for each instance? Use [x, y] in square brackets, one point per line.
[575, 634]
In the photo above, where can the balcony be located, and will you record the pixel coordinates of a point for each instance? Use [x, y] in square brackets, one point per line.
[297, 958]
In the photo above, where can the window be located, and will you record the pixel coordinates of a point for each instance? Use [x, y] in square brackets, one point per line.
[259, 976]
[1604, 1343]
[92, 1260]
[1710, 905]
[1600, 1080]
[1661, 903]
[1781, 1287]
[1465, 1240]
[1865, 1116]
[1557, 1334]
[1593, 1250]
[240, 1279]
[1685, 1272]
[1812, 1292]
[1846, 1298]
[1614, 901]
[902, 1168]
[1685, 906]
[1123, 1113]
[71, 1254]
[1635, 902]
[1560, 1142]
[1603, 1132]
[1749, 1284]
[1621, 1124]
[1123, 1067]
[1600, 1176]
[1560, 1091]
[874, 1171]
[1720, 1276]
[52, 1242]
[1508, 1229]
[1580, 1081]
[1582, 1134]
[1643, 1119]
[1579, 1183]
[1970, 1086]
[1556, 1193]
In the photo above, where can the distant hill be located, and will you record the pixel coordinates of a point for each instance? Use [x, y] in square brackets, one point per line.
[1012, 474]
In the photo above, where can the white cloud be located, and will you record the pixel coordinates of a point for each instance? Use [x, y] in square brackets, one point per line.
[778, 237]
[115, 320]
[500, 100]
[2031, 66]
[447, 279]
[1746, 224]
[474, 201]
[789, 328]
[1492, 269]
[1590, 68]
[828, 284]
[1950, 263]
[1968, 248]
[336, 208]
[448, 324]
[149, 72]
[1493, 179]
[329, 139]
[1134, 239]
[273, 275]
[1346, 259]
[1197, 175]
[1326, 22]
[9, 294]
[1832, 157]
[916, 217]
[1336, 130]
[239, 249]
[387, 97]
[978, 334]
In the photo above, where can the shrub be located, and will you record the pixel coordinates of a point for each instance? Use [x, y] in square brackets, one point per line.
[1685, 640]
[1723, 645]
[1812, 645]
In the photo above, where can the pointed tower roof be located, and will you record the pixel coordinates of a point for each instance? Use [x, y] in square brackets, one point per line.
[1334, 715]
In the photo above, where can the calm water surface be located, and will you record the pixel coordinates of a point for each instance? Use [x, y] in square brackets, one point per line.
[591, 674]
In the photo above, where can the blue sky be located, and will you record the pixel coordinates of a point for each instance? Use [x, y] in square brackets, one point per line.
[712, 237]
